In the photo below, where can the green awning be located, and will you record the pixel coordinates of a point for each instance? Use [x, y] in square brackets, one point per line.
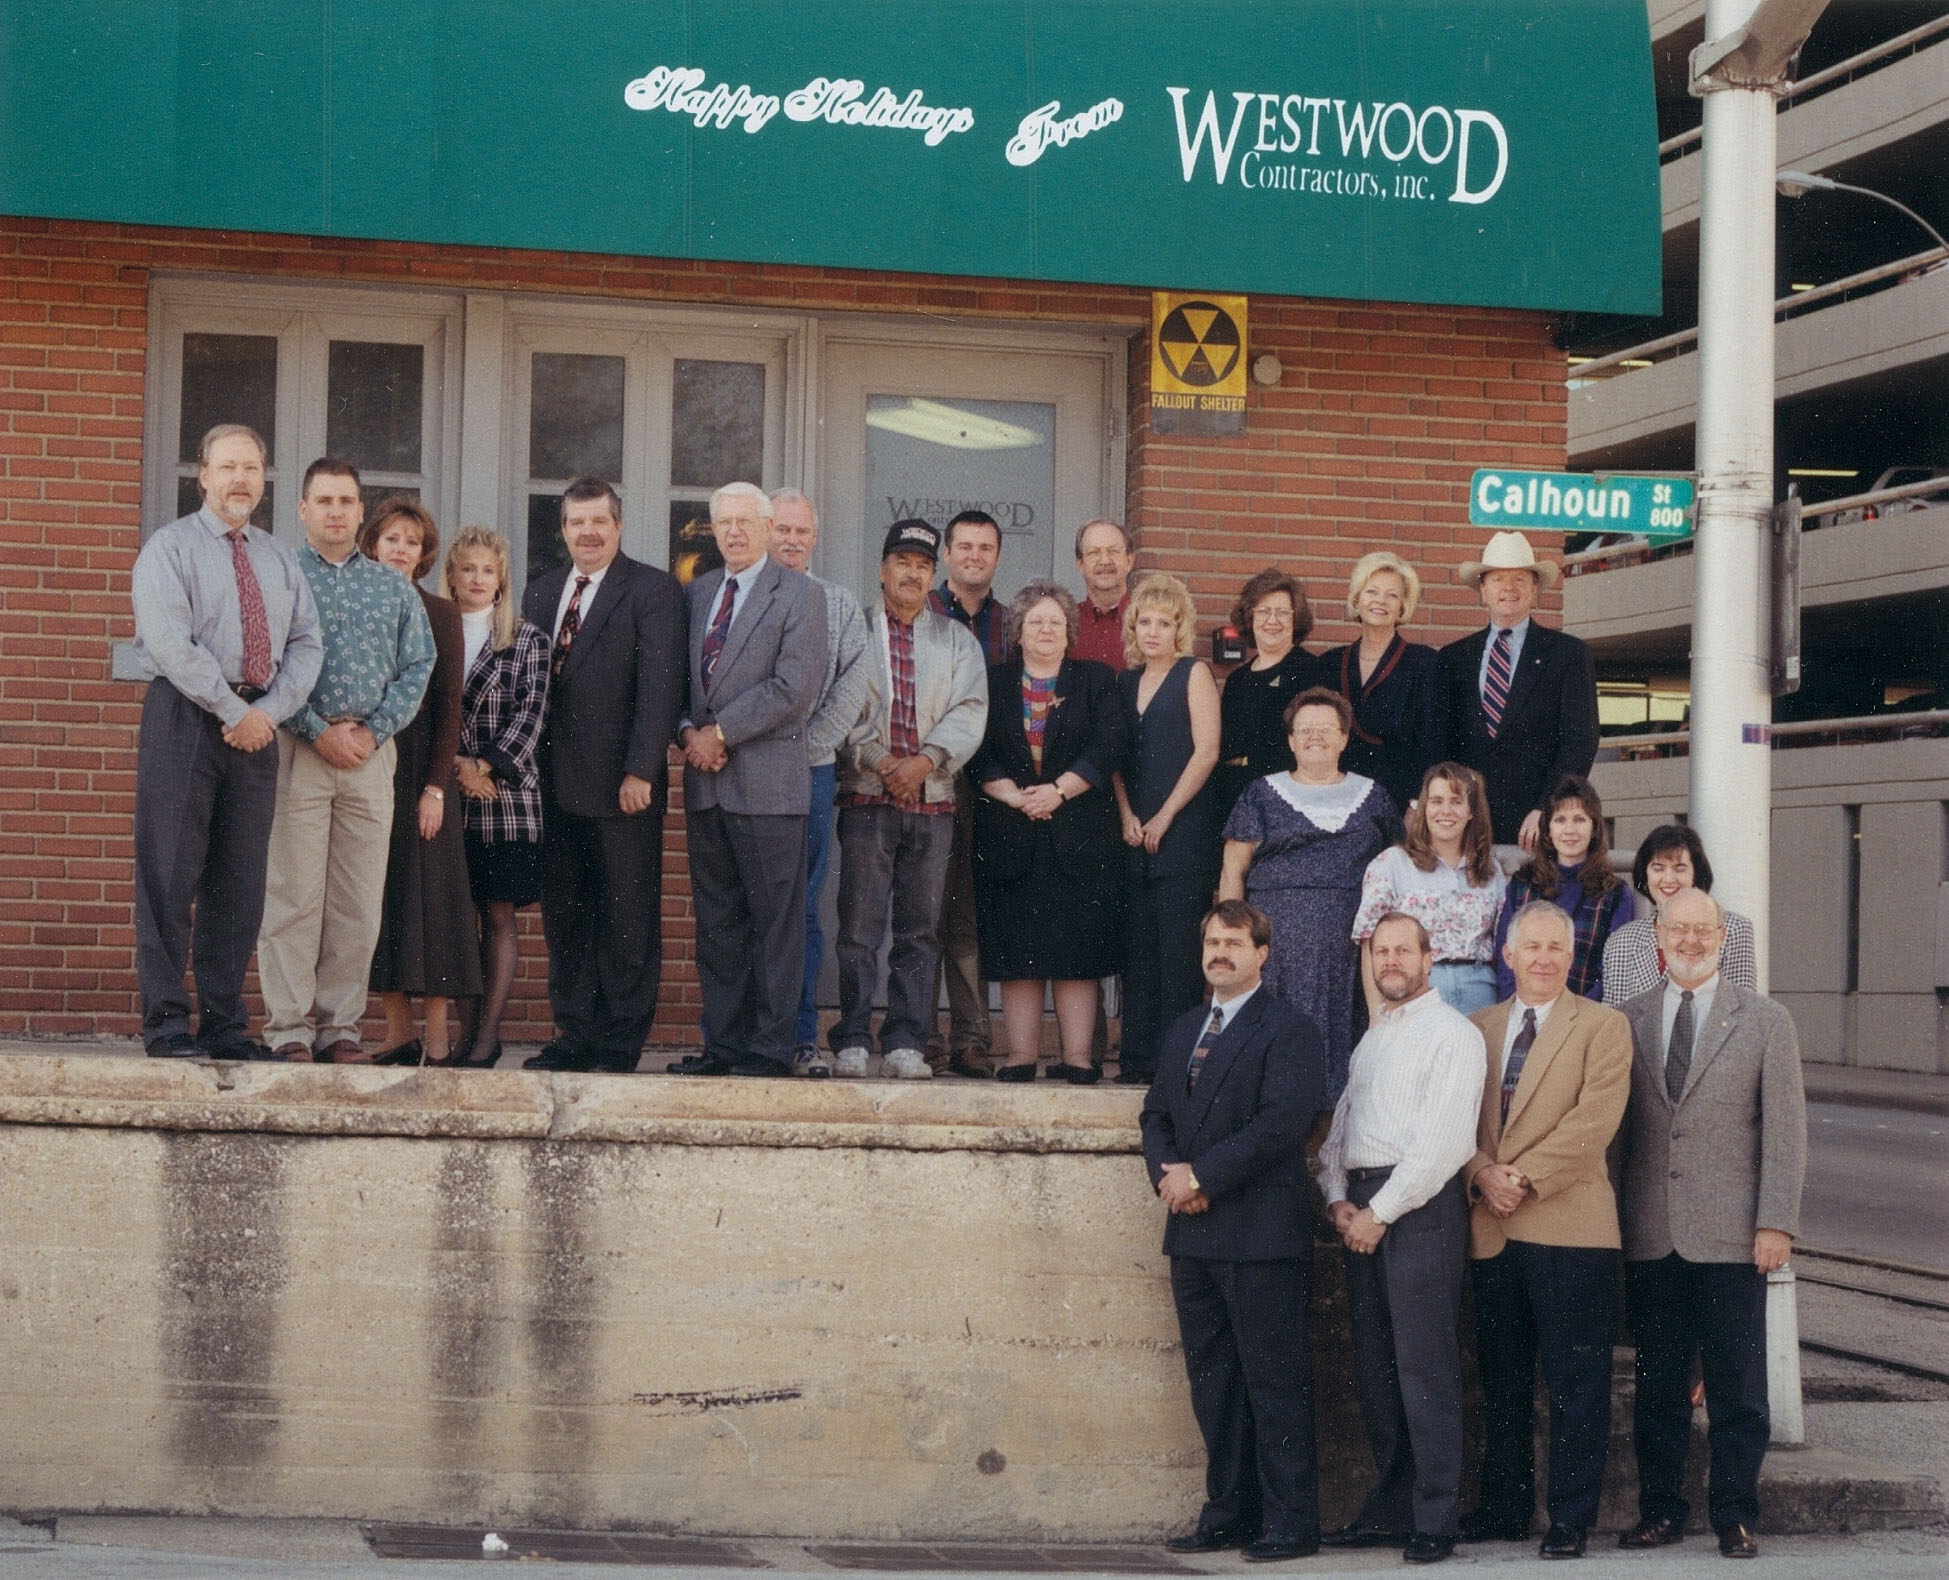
[1495, 152]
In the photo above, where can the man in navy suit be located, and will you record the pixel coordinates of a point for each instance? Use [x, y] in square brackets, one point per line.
[1521, 699]
[1238, 1082]
[616, 686]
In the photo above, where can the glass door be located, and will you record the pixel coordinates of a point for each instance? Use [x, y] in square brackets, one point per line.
[1027, 433]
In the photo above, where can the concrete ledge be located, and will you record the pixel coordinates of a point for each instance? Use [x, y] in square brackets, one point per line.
[360, 1100]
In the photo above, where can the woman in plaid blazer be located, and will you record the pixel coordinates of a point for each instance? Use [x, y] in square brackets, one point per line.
[502, 710]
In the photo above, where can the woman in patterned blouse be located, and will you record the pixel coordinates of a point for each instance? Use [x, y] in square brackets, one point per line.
[1444, 875]
[1671, 859]
[1571, 868]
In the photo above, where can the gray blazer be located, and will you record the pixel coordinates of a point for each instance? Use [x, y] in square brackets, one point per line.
[950, 705]
[1701, 1178]
[764, 687]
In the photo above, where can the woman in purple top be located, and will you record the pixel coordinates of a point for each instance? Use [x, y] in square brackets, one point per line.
[1571, 868]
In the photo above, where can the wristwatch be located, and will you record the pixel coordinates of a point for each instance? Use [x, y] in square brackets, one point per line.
[1191, 1175]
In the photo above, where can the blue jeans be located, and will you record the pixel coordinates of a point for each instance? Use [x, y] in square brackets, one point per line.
[1464, 986]
[818, 856]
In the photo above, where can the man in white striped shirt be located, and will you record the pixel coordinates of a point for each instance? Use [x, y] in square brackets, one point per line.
[1391, 1173]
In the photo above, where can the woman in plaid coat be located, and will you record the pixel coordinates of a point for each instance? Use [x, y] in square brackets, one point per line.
[502, 709]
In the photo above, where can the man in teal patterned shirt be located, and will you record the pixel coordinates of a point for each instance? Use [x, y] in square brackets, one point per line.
[330, 837]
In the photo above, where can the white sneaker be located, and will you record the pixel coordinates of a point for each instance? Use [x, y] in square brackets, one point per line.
[906, 1064]
[850, 1062]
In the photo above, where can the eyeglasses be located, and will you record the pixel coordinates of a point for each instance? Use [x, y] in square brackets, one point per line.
[1705, 931]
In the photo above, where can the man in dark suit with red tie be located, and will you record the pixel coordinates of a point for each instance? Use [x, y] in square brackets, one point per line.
[1238, 1082]
[615, 690]
[1521, 698]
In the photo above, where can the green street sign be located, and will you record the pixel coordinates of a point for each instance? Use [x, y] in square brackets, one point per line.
[1655, 507]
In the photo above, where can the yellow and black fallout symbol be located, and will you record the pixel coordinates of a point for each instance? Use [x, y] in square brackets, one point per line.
[1200, 342]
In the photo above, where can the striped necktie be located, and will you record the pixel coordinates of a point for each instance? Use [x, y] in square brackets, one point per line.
[1212, 1028]
[1678, 1055]
[1512, 1069]
[1495, 686]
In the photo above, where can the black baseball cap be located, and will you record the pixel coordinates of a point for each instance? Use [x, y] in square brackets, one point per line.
[913, 536]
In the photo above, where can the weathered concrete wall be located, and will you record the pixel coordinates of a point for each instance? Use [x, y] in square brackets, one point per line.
[819, 1310]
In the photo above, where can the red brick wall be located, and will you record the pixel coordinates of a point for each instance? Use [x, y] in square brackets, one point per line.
[1367, 441]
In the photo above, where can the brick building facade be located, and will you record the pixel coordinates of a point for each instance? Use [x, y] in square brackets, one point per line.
[1367, 440]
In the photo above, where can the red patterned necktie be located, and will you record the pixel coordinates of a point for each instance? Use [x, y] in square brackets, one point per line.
[250, 605]
[720, 628]
[1198, 1054]
[1495, 688]
[571, 623]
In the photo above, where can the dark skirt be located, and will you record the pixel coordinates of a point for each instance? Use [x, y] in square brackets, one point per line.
[1047, 927]
[428, 938]
[507, 872]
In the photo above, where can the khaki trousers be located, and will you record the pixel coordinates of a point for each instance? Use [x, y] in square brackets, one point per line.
[329, 844]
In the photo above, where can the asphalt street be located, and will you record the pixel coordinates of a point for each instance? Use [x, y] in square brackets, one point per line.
[1877, 1184]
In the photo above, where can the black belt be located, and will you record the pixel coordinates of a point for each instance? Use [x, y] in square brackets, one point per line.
[248, 693]
[1362, 1176]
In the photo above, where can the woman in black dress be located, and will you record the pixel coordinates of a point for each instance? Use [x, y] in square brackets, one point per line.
[1398, 725]
[1273, 614]
[1164, 796]
[1048, 858]
[426, 927]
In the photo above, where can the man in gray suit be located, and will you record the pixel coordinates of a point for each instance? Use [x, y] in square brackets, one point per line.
[1714, 1149]
[757, 666]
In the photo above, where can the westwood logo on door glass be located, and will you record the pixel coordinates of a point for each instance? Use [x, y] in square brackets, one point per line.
[1201, 343]
[1197, 364]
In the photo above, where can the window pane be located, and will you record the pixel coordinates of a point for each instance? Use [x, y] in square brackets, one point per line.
[371, 494]
[693, 548]
[372, 404]
[575, 417]
[935, 458]
[717, 424]
[228, 378]
[546, 549]
[189, 499]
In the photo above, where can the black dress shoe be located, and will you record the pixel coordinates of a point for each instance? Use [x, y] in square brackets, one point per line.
[178, 1045]
[1738, 1541]
[1481, 1526]
[1427, 1549]
[1278, 1547]
[1562, 1541]
[758, 1064]
[701, 1064]
[1362, 1536]
[557, 1056]
[1653, 1531]
[238, 1050]
[1077, 1074]
[958, 1065]
[1126, 1076]
[1207, 1539]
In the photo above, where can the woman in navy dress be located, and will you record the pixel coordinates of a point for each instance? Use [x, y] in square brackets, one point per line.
[1297, 846]
[1397, 701]
[1170, 826]
[1048, 865]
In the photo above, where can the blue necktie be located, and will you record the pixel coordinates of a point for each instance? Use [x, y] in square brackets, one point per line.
[720, 628]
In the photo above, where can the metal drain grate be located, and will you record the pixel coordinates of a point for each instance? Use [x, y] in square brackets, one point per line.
[976, 1558]
[588, 1547]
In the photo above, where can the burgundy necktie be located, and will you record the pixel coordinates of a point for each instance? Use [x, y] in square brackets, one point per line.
[720, 628]
[571, 623]
[250, 604]
[1495, 688]
[1212, 1028]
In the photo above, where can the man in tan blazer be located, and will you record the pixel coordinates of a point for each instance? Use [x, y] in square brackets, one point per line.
[1543, 1233]
[1714, 1152]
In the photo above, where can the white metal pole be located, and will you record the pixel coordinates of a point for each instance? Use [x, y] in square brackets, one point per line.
[1732, 701]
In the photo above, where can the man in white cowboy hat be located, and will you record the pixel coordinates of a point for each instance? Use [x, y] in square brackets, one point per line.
[1521, 697]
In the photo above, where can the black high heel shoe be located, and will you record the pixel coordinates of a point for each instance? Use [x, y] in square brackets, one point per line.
[405, 1053]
